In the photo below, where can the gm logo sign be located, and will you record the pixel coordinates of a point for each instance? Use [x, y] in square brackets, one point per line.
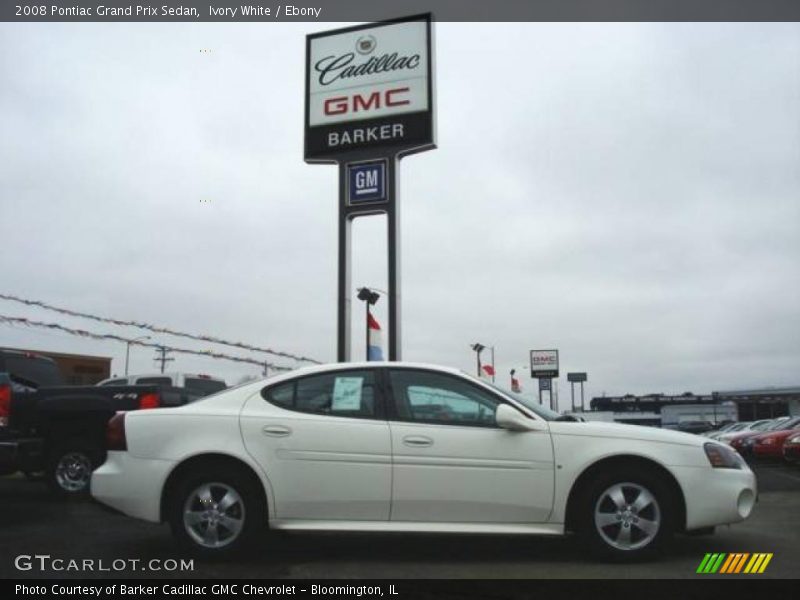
[366, 182]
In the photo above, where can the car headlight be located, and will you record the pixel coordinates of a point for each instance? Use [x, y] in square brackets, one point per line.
[795, 439]
[722, 457]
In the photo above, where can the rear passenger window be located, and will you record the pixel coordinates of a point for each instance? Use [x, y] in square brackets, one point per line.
[344, 394]
[282, 395]
[154, 381]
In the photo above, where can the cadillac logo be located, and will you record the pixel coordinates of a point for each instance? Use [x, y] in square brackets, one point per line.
[366, 44]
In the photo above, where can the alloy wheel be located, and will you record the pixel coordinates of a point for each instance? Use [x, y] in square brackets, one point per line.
[627, 516]
[213, 515]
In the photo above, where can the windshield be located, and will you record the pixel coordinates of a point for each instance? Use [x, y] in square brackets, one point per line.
[778, 424]
[785, 424]
[540, 410]
[204, 387]
[761, 425]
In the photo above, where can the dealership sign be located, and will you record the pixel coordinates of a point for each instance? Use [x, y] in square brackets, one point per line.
[369, 88]
[368, 104]
[544, 363]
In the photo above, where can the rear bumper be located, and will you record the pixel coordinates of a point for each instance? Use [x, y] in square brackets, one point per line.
[716, 496]
[131, 485]
[21, 454]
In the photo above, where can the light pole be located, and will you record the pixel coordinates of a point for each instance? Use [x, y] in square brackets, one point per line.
[370, 297]
[478, 348]
[128, 349]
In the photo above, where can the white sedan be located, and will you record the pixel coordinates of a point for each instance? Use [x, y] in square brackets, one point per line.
[410, 447]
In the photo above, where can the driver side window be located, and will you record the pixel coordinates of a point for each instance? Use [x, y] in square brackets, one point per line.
[428, 397]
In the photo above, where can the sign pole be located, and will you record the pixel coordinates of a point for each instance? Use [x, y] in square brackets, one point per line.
[572, 393]
[582, 409]
[393, 234]
[344, 303]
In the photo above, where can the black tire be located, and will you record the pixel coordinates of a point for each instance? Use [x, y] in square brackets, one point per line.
[629, 534]
[69, 467]
[234, 487]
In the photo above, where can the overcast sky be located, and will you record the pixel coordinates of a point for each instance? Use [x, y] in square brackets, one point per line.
[628, 194]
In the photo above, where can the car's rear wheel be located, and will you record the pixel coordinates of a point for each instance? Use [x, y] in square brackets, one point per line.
[627, 515]
[217, 511]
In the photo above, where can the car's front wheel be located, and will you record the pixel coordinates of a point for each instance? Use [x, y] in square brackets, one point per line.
[627, 515]
[216, 512]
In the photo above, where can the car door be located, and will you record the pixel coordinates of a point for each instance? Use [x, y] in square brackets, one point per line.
[324, 443]
[452, 463]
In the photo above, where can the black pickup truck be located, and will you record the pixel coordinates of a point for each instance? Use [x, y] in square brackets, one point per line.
[57, 430]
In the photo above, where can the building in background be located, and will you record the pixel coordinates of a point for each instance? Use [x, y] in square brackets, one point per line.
[77, 369]
[765, 403]
[661, 410]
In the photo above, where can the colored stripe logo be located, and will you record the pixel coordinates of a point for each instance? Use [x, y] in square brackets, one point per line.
[734, 563]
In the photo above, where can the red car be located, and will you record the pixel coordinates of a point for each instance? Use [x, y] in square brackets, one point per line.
[791, 448]
[770, 444]
[743, 442]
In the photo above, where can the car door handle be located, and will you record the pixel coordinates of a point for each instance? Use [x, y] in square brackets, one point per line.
[417, 441]
[276, 431]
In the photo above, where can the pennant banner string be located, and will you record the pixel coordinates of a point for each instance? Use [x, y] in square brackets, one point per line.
[117, 338]
[156, 329]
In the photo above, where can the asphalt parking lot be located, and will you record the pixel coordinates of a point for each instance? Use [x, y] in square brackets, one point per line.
[35, 523]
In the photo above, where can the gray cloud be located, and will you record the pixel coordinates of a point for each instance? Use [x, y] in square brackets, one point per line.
[629, 194]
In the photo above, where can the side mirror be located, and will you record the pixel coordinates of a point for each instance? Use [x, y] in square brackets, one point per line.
[513, 420]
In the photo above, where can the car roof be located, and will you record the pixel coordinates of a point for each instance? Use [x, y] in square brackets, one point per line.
[338, 366]
[171, 374]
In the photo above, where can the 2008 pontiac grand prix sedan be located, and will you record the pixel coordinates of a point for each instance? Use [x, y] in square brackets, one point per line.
[410, 447]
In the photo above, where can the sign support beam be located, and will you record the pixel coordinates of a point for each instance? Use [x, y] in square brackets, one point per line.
[344, 300]
[348, 212]
[393, 233]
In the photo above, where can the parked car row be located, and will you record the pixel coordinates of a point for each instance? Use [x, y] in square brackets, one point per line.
[57, 432]
[775, 439]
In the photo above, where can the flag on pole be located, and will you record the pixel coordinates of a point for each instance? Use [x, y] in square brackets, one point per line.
[375, 346]
[487, 371]
[515, 386]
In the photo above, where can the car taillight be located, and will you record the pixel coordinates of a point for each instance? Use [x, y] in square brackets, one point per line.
[149, 401]
[5, 404]
[115, 433]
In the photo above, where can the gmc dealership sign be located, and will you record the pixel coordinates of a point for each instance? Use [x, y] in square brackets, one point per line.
[544, 363]
[369, 88]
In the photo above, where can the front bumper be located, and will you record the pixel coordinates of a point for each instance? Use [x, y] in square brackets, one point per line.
[716, 496]
[771, 451]
[131, 485]
[791, 453]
